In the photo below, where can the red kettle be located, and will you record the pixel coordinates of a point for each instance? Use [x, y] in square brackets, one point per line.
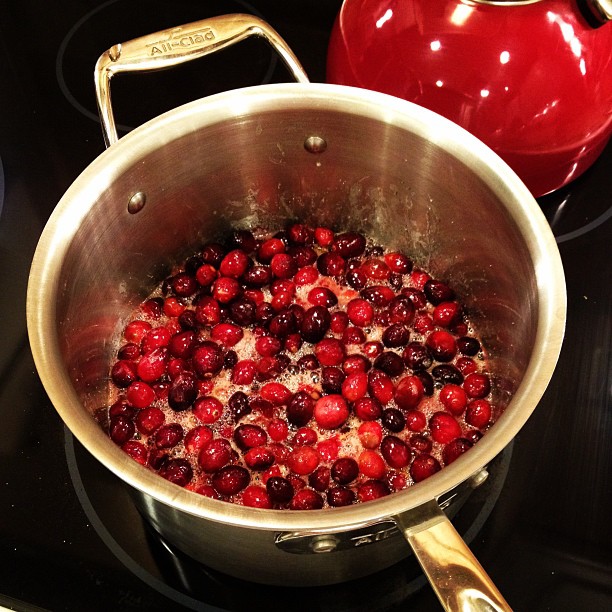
[531, 78]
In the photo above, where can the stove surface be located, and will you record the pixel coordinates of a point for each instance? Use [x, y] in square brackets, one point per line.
[542, 526]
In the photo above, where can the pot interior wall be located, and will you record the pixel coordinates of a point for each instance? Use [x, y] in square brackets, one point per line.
[400, 188]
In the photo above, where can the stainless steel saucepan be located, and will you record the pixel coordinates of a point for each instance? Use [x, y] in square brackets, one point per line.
[264, 156]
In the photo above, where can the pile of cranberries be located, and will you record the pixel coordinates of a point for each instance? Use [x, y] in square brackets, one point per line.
[298, 370]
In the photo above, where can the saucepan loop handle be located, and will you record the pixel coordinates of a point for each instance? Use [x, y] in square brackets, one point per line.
[178, 45]
[456, 576]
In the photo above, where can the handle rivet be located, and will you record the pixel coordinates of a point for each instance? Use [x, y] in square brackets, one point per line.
[315, 144]
[136, 202]
[323, 543]
[114, 52]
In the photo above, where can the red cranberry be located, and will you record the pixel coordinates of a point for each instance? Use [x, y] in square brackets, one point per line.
[178, 471]
[323, 236]
[153, 308]
[356, 278]
[390, 363]
[230, 479]
[149, 419]
[226, 334]
[423, 467]
[123, 373]
[438, 292]
[372, 489]
[249, 435]
[371, 464]
[306, 276]
[442, 345]
[329, 352]
[360, 312]
[184, 285]
[268, 346]
[331, 264]
[207, 409]
[225, 289]
[340, 496]
[331, 411]
[322, 296]
[395, 452]
[370, 434]
[444, 428]
[207, 359]
[300, 409]
[401, 310]
[344, 470]
[338, 322]
[276, 393]
[349, 244]
[446, 314]
[259, 458]
[303, 460]
[140, 394]
[315, 324]
[121, 429]
[417, 297]
[208, 311]
[478, 413]
[197, 438]
[398, 262]
[367, 409]
[256, 496]
[332, 379]
[215, 455]
[279, 489]
[182, 344]
[355, 386]
[372, 349]
[155, 338]
[135, 331]
[305, 436]
[355, 363]
[453, 398]
[183, 391]
[353, 336]
[468, 346]
[454, 449]
[380, 386]
[205, 275]
[379, 295]
[137, 451]
[278, 429]
[393, 419]
[235, 263]
[306, 499]
[477, 385]
[269, 248]
[283, 265]
[168, 436]
[376, 269]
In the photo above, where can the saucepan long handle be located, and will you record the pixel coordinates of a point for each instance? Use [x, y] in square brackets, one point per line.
[456, 576]
[178, 45]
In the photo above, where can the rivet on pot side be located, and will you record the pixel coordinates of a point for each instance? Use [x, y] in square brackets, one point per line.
[137, 202]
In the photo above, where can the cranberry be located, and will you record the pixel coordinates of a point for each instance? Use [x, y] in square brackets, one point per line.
[168, 436]
[256, 496]
[453, 398]
[331, 411]
[390, 363]
[396, 481]
[215, 455]
[398, 262]
[379, 295]
[129, 351]
[278, 429]
[360, 312]
[305, 436]
[123, 373]
[329, 352]
[444, 428]
[395, 452]
[331, 264]
[372, 489]
[187, 320]
[349, 244]
[380, 386]
[323, 236]
[446, 314]
[371, 464]
[283, 266]
[182, 344]
[242, 312]
[353, 336]
[395, 335]
[225, 289]
[213, 254]
[279, 489]
[283, 324]
[315, 324]
[205, 275]
[140, 394]
[208, 311]
[136, 330]
[153, 308]
[244, 240]
[249, 435]
[356, 278]
[372, 349]
[306, 276]
[340, 496]
[442, 345]
[332, 379]
[417, 297]
[183, 391]
[268, 346]
[447, 374]
[423, 467]
[355, 363]
[306, 499]
[477, 385]
[276, 393]
[155, 338]
[338, 322]
[370, 434]
[121, 429]
[376, 269]
[438, 292]
[401, 310]
[300, 409]
[207, 409]
[454, 449]
[197, 438]
[269, 248]
[230, 479]
[393, 419]
[235, 263]
[468, 346]
[259, 458]
[149, 419]
[137, 451]
[207, 359]
[344, 470]
[319, 479]
[368, 408]
[355, 386]
[178, 471]
[415, 420]
[478, 413]
[121, 407]
[303, 460]
[238, 404]
[184, 285]
[427, 382]
[420, 443]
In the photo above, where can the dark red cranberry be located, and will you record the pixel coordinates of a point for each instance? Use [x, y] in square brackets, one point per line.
[331, 264]
[257, 276]
[238, 405]
[356, 278]
[420, 443]
[390, 363]
[344, 470]
[423, 467]
[168, 436]
[121, 429]
[184, 285]
[213, 254]
[248, 435]
[303, 256]
[393, 419]
[230, 359]
[279, 489]
[300, 234]
[308, 362]
[230, 479]
[454, 449]
[244, 240]
[283, 324]
[438, 292]
[215, 455]
[340, 496]
[395, 452]
[149, 419]
[315, 324]
[447, 374]
[123, 373]
[208, 311]
[264, 313]
[259, 458]
[319, 479]
[300, 409]
[129, 351]
[416, 296]
[207, 359]
[379, 295]
[376, 269]
[417, 356]
[395, 335]
[183, 391]
[372, 489]
[349, 244]
[427, 381]
[157, 458]
[242, 312]
[123, 408]
[332, 379]
[182, 344]
[401, 310]
[153, 308]
[178, 471]
[306, 499]
[468, 346]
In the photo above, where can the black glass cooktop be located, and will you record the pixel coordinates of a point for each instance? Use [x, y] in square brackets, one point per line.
[70, 538]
